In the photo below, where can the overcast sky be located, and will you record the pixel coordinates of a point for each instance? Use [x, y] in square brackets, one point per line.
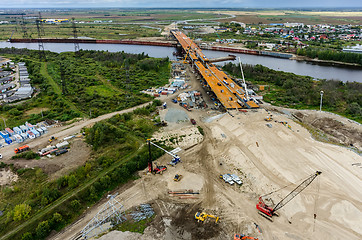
[180, 3]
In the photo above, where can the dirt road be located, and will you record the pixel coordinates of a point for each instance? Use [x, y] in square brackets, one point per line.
[61, 132]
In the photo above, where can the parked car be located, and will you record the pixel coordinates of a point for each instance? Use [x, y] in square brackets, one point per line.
[193, 121]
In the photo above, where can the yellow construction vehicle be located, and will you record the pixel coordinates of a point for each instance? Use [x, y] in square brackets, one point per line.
[268, 118]
[52, 138]
[177, 177]
[201, 217]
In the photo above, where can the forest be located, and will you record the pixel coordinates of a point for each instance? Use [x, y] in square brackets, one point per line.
[88, 84]
[302, 92]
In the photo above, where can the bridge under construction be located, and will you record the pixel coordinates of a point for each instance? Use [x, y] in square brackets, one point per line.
[229, 93]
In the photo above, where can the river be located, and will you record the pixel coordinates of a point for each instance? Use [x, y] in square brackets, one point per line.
[286, 65]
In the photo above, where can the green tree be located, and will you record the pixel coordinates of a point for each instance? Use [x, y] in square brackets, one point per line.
[355, 109]
[43, 229]
[72, 181]
[21, 211]
[27, 236]
[44, 201]
[56, 221]
[75, 204]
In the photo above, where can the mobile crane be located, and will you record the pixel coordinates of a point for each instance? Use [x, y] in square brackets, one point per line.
[269, 212]
[176, 159]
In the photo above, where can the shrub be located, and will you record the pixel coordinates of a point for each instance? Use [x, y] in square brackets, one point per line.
[21, 211]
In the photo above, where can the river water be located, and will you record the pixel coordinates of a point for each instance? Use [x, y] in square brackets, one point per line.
[286, 65]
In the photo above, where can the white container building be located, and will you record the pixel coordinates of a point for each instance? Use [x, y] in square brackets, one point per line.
[40, 131]
[24, 136]
[45, 130]
[31, 135]
[36, 133]
[23, 128]
[17, 130]
[18, 138]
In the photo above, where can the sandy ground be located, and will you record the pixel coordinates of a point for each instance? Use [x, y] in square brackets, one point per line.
[7, 177]
[266, 159]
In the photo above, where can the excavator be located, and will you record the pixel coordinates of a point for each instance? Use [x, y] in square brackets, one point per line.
[243, 237]
[268, 212]
[201, 217]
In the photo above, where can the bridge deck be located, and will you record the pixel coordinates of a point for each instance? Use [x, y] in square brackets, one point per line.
[226, 90]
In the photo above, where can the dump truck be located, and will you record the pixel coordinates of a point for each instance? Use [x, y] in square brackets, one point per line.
[21, 149]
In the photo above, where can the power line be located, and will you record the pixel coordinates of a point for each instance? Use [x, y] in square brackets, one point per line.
[75, 35]
[23, 27]
[40, 28]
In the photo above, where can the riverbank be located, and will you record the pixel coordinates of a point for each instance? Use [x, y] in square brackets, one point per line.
[304, 68]
[325, 62]
[160, 41]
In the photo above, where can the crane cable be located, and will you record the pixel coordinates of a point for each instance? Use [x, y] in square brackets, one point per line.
[284, 187]
[315, 203]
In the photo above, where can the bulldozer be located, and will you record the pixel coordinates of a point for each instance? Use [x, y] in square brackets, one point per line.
[201, 217]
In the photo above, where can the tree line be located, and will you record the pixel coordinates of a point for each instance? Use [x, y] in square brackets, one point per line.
[330, 54]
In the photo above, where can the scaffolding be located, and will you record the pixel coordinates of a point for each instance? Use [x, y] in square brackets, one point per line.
[110, 214]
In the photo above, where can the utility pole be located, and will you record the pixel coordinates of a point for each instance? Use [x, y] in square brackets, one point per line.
[75, 35]
[39, 26]
[320, 106]
[23, 27]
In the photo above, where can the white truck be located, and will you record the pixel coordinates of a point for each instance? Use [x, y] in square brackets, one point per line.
[236, 179]
[227, 178]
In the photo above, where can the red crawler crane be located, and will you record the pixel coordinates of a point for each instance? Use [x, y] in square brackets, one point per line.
[269, 212]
